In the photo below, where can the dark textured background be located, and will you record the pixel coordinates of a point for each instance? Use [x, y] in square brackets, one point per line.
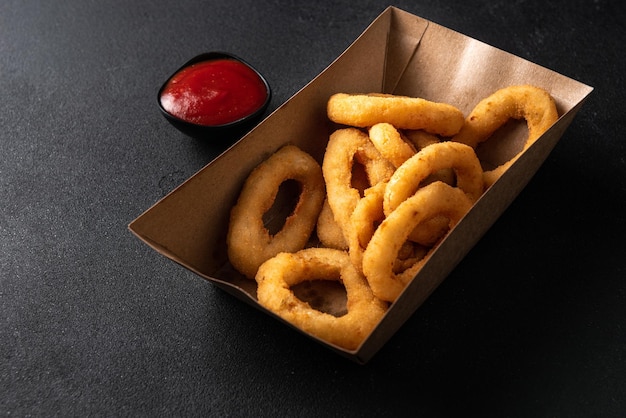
[93, 322]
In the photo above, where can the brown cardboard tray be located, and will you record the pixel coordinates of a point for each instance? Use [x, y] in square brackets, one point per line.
[398, 53]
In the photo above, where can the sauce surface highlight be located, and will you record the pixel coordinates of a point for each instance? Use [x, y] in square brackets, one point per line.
[214, 92]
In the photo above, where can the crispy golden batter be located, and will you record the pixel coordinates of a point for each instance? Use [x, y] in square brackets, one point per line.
[531, 103]
[277, 275]
[329, 232]
[364, 220]
[388, 141]
[365, 110]
[409, 176]
[382, 250]
[344, 147]
[249, 243]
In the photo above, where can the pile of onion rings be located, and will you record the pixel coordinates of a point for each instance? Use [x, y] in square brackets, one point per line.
[397, 175]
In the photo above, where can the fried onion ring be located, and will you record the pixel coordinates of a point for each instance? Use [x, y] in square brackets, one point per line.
[344, 147]
[382, 250]
[409, 176]
[277, 275]
[329, 232]
[388, 141]
[376, 169]
[248, 241]
[421, 139]
[365, 110]
[430, 231]
[365, 218]
[531, 103]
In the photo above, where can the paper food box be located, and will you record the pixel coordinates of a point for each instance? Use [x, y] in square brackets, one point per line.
[400, 54]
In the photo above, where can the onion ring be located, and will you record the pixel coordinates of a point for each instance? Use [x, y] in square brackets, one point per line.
[382, 250]
[278, 274]
[409, 176]
[430, 231]
[365, 218]
[421, 139]
[409, 254]
[249, 243]
[365, 110]
[344, 146]
[329, 232]
[388, 141]
[377, 169]
[531, 103]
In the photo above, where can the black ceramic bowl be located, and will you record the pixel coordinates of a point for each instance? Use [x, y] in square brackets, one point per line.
[221, 132]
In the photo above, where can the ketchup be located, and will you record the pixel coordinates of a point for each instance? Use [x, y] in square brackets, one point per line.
[214, 92]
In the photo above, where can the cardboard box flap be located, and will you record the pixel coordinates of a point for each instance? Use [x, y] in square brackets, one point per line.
[403, 39]
[453, 68]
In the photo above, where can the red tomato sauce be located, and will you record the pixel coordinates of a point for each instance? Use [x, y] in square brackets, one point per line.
[214, 92]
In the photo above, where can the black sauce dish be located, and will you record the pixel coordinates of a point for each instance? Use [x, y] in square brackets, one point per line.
[219, 132]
